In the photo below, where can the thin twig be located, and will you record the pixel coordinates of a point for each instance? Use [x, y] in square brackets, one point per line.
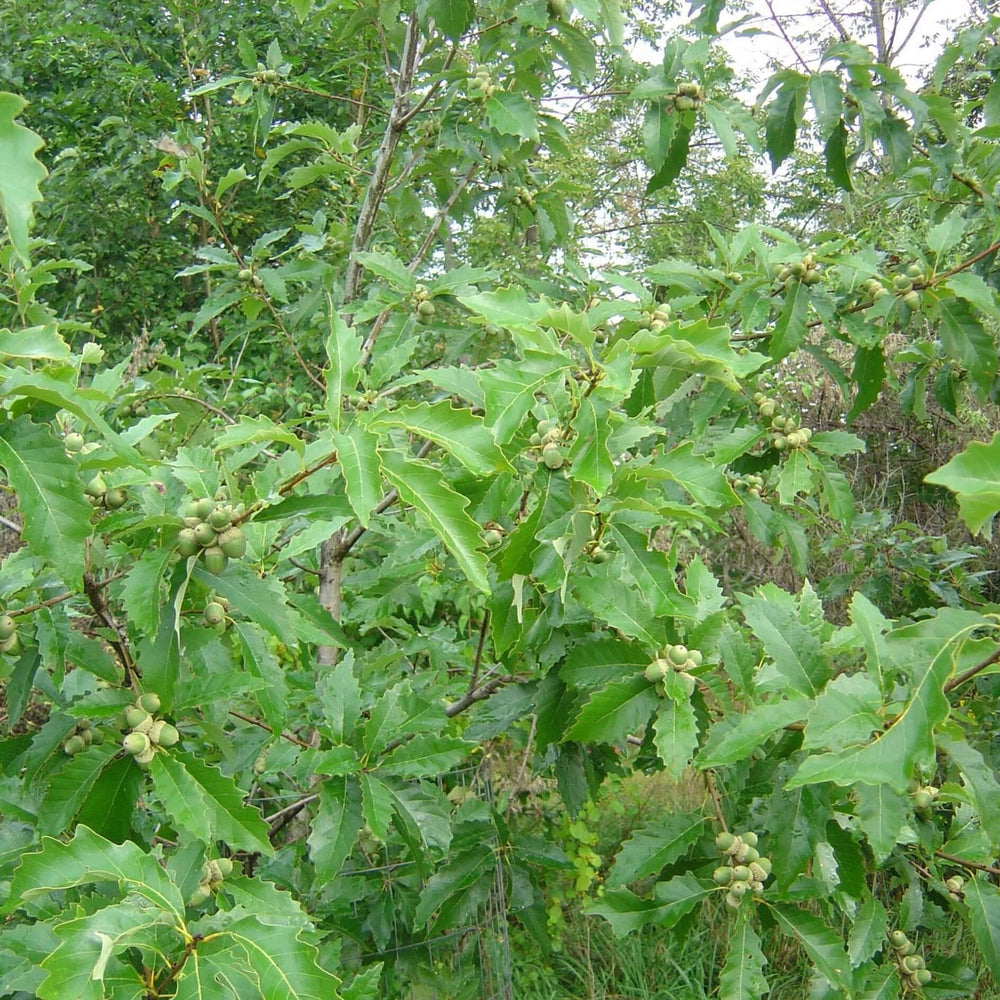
[994, 657]
[483, 629]
[277, 820]
[968, 864]
[273, 732]
[716, 801]
[10, 525]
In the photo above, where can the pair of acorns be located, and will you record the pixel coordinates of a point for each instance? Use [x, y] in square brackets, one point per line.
[902, 285]
[424, 308]
[212, 874]
[100, 495]
[10, 641]
[747, 870]
[800, 270]
[214, 612]
[481, 86]
[209, 531]
[146, 733]
[548, 434]
[83, 736]
[911, 965]
[688, 97]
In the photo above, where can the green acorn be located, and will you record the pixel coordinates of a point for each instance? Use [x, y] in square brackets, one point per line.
[599, 555]
[96, 488]
[135, 744]
[492, 538]
[214, 613]
[225, 866]
[203, 507]
[136, 716]
[552, 457]
[200, 895]
[215, 559]
[187, 543]
[233, 543]
[73, 442]
[722, 876]
[657, 670]
[205, 534]
[221, 518]
[115, 498]
[74, 745]
[150, 701]
[7, 626]
[725, 841]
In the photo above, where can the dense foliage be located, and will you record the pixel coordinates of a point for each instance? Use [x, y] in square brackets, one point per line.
[379, 443]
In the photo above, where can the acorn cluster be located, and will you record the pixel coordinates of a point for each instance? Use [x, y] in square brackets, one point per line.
[746, 872]
[548, 437]
[481, 86]
[423, 308]
[523, 196]
[209, 532]
[82, 737]
[688, 97]
[655, 319]
[265, 75]
[803, 271]
[787, 433]
[146, 732]
[215, 611]
[101, 496]
[902, 285]
[136, 409]
[912, 968]
[754, 485]
[10, 641]
[675, 659]
[212, 875]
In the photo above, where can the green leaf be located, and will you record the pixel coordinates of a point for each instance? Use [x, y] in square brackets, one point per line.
[511, 114]
[452, 882]
[20, 172]
[376, 804]
[676, 734]
[740, 734]
[794, 649]
[974, 475]
[426, 755]
[82, 965]
[946, 234]
[340, 698]
[835, 153]
[881, 815]
[970, 286]
[657, 131]
[982, 899]
[277, 963]
[389, 267]
[253, 430]
[459, 431]
[343, 350]
[336, 825]
[69, 787]
[671, 901]
[237, 824]
[260, 662]
[56, 514]
[697, 475]
[110, 804]
[867, 932]
[790, 328]
[182, 797]
[868, 374]
[423, 486]
[968, 342]
[784, 115]
[509, 390]
[86, 859]
[358, 457]
[589, 455]
[261, 600]
[621, 607]
[796, 477]
[652, 848]
[675, 160]
[821, 944]
[927, 652]
[611, 714]
[848, 711]
[451, 17]
[981, 781]
[827, 100]
[742, 976]
[142, 588]
[38, 342]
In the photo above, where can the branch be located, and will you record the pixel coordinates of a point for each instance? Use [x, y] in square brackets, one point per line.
[273, 732]
[717, 802]
[994, 657]
[480, 694]
[483, 629]
[279, 819]
[968, 864]
[784, 34]
[383, 161]
[119, 643]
